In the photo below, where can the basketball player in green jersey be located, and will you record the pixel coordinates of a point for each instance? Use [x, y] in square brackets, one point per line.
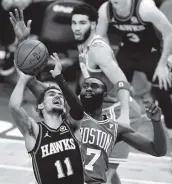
[99, 133]
[97, 60]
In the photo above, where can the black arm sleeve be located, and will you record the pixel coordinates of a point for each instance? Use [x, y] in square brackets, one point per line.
[76, 108]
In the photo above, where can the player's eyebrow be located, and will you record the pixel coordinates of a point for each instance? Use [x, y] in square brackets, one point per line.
[54, 92]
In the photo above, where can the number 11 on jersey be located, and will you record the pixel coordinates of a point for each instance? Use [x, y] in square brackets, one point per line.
[60, 172]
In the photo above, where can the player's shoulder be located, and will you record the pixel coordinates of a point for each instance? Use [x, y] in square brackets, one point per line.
[147, 10]
[103, 7]
[103, 11]
[99, 43]
[123, 128]
[147, 6]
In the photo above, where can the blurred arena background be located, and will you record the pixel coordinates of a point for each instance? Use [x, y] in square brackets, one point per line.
[51, 25]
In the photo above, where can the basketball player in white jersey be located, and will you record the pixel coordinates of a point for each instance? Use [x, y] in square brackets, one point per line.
[97, 60]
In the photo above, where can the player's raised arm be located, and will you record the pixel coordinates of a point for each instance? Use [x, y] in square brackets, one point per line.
[26, 125]
[150, 13]
[76, 108]
[103, 22]
[103, 56]
[156, 147]
[22, 31]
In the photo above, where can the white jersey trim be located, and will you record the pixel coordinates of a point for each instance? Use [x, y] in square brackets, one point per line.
[96, 121]
[96, 39]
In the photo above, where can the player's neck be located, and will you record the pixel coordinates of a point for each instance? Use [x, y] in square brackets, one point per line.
[53, 120]
[84, 45]
[96, 114]
[124, 10]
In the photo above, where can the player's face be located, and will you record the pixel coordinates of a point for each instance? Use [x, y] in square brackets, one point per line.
[53, 101]
[118, 3]
[92, 94]
[81, 27]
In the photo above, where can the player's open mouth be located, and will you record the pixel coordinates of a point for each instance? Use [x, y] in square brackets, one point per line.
[88, 95]
[56, 101]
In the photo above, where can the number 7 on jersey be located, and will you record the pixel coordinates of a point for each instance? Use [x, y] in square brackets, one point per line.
[96, 156]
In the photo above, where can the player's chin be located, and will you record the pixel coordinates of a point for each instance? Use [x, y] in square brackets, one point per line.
[78, 38]
[58, 108]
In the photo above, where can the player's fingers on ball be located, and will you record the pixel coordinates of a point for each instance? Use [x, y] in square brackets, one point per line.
[29, 23]
[56, 56]
[169, 81]
[156, 109]
[160, 83]
[12, 16]
[152, 106]
[12, 22]
[154, 77]
[51, 71]
[21, 15]
[52, 57]
[165, 85]
[17, 14]
[147, 106]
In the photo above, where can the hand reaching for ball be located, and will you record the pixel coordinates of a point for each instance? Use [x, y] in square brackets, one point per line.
[22, 31]
[58, 67]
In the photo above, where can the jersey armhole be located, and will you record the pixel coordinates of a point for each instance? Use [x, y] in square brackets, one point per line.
[109, 11]
[138, 15]
[38, 139]
[71, 129]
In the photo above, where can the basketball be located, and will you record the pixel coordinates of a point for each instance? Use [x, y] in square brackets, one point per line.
[31, 57]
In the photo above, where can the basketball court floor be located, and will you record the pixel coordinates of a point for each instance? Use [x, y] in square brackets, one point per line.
[15, 163]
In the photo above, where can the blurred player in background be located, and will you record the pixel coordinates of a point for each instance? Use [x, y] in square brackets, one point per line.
[97, 60]
[141, 25]
[99, 133]
[146, 44]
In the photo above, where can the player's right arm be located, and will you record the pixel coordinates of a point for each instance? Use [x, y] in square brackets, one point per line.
[22, 31]
[103, 22]
[156, 147]
[76, 108]
[27, 126]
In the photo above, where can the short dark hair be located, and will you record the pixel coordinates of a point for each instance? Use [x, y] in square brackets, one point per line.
[86, 9]
[42, 95]
[104, 85]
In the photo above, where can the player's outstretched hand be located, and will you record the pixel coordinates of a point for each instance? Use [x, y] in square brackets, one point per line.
[58, 67]
[22, 31]
[21, 74]
[153, 112]
[163, 74]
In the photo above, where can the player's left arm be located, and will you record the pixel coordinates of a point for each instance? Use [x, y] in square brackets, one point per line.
[76, 108]
[156, 147]
[103, 57]
[150, 13]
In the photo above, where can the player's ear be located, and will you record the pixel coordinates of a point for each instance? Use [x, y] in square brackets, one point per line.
[40, 106]
[93, 25]
[105, 94]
